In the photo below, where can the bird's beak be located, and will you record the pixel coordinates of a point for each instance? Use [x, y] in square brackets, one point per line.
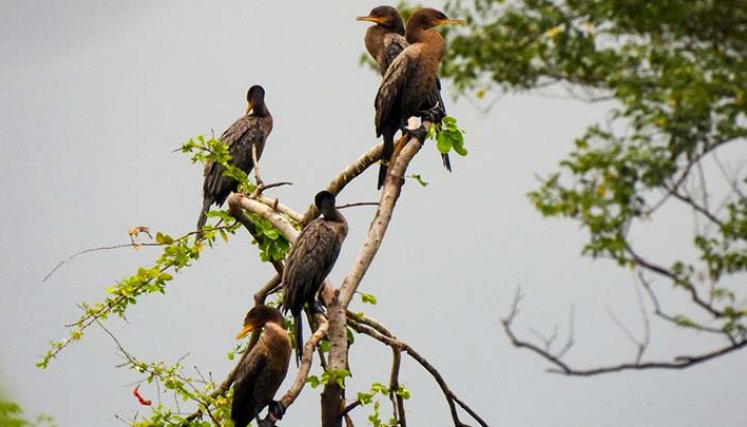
[248, 107]
[449, 21]
[370, 19]
[244, 332]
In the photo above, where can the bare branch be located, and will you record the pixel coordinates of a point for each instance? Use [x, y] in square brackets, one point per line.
[398, 402]
[303, 371]
[343, 178]
[351, 205]
[376, 330]
[679, 362]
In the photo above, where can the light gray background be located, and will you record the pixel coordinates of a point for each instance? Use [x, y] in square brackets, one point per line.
[96, 95]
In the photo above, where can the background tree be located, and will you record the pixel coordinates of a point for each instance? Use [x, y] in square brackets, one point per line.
[673, 76]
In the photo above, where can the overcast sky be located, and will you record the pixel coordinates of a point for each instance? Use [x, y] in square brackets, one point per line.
[96, 95]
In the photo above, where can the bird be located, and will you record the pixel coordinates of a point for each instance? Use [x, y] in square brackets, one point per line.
[410, 82]
[310, 261]
[263, 369]
[384, 42]
[245, 134]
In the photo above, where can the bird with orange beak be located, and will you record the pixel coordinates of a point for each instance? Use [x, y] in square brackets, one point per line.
[410, 81]
[262, 370]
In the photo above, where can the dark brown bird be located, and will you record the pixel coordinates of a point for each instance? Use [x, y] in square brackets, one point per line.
[310, 261]
[241, 138]
[384, 42]
[410, 86]
[262, 370]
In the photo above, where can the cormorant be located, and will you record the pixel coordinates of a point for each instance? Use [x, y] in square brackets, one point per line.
[249, 131]
[310, 261]
[384, 42]
[262, 370]
[410, 86]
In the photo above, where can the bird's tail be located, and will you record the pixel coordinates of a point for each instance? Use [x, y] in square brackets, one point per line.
[203, 216]
[446, 161]
[297, 323]
[386, 156]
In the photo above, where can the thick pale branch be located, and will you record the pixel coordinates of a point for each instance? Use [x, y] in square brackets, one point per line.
[237, 201]
[389, 195]
[348, 174]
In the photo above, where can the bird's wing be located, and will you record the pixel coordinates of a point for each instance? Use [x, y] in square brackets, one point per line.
[394, 44]
[244, 401]
[309, 263]
[392, 85]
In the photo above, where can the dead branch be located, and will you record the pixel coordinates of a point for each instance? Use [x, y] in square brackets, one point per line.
[679, 362]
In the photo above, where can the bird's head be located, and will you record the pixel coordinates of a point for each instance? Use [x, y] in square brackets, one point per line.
[428, 18]
[258, 317]
[254, 97]
[386, 16]
[325, 202]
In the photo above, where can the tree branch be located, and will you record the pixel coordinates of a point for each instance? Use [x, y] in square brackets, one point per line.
[376, 330]
[679, 362]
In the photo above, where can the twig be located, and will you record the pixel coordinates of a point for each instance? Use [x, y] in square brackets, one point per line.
[351, 205]
[134, 245]
[262, 187]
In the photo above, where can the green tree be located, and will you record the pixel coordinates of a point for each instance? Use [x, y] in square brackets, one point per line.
[675, 74]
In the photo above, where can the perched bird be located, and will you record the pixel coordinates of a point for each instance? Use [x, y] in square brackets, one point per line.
[245, 134]
[310, 261]
[262, 370]
[384, 42]
[410, 86]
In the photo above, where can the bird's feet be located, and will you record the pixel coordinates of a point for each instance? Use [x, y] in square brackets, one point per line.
[420, 133]
[316, 307]
[433, 115]
[276, 409]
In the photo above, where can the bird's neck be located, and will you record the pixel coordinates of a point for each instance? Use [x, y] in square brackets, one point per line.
[259, 109]
[420, 35]
[333, 215]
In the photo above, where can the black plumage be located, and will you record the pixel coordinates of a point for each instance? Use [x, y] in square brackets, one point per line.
[244, 135]
[410, 86]
[310, 261]
[262, 370]
[384, 42]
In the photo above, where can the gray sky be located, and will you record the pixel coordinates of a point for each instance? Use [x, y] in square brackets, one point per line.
[98, 94]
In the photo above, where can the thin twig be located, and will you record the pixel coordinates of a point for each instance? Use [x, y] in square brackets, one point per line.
[134, 245]
[351, 205]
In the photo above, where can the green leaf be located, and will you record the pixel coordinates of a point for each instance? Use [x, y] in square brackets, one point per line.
[418, 179]
[368, 298]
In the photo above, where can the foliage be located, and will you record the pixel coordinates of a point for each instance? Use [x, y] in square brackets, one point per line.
[11, 415]
[675, 74]
[177, 253]
[380, 390]
[448, 136]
